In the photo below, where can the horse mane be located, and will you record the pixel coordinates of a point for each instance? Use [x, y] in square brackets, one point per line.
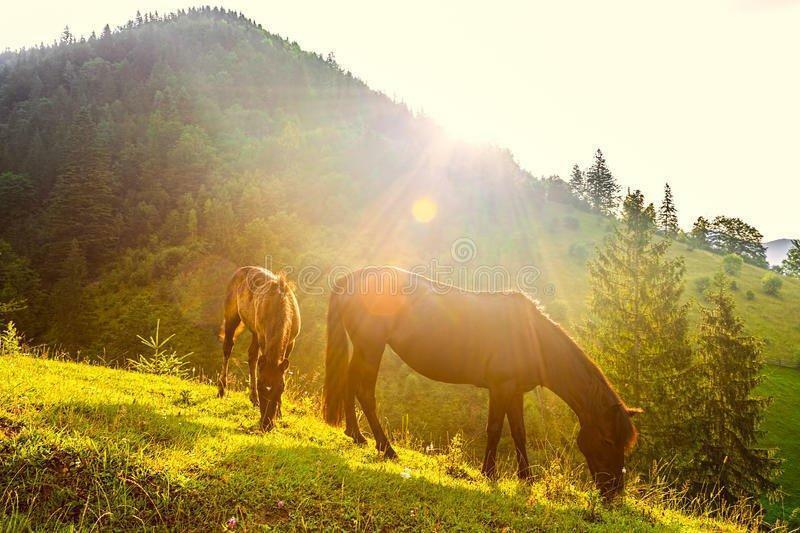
[603, 395]
[263, 285]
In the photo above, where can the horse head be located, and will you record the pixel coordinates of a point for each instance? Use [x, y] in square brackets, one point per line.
[604, 442]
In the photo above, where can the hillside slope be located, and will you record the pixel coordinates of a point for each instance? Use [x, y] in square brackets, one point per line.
[92, 446]
[220, 145]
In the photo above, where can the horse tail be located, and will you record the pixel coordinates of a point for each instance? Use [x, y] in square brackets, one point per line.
[336, 364]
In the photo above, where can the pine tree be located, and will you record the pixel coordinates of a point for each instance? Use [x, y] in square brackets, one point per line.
[699, 233]
[727, 460]
[791, 265]
[601, 189]
[577, 183]
[81, 204]
[71, 326]
[668, 214]
[637, 328]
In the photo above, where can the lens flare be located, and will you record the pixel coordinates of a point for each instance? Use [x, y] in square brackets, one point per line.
[424, 209]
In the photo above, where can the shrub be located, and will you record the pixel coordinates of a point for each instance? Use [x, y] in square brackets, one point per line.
[701, 285]
[572, 223]
[733, 285]
[771, 283]
[732, 264]
[454, 459]
[750, 295]
[10, 341]
[163, 360]
[794, 519]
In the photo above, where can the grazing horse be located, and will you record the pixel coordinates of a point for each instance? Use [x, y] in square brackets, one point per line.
[500, 341]
[265, 304]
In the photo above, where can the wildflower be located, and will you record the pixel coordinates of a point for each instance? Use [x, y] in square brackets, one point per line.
[405, 474]
[281, 504]
[231, 523]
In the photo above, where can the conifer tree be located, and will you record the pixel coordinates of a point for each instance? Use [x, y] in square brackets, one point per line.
[68, 303]
[699, 233]
[727, 459]
[637, 328]
[577, 183]
[668, 214]
[601, 189]
[791, 265]
[81, 204]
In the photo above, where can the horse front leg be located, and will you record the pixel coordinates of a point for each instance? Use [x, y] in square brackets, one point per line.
[494, 428]
[517, 424]
[227, 347]
[252, 363]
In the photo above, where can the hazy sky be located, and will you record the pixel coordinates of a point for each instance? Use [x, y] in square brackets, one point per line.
[704, 94]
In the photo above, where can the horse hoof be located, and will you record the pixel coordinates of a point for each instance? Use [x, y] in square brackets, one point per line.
[357, 437]
[389, 453]
[525, 477]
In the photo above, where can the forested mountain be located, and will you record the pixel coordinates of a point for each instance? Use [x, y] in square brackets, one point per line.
[140, 167]
[178, 147]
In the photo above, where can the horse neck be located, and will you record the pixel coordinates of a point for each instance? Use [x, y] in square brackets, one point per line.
[576, 379]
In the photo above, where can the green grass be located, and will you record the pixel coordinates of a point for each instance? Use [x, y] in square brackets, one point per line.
[90, 446]
[782, 423]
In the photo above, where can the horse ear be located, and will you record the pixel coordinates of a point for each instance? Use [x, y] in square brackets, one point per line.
[633, 411]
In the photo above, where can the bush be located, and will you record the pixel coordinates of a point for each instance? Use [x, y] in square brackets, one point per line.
[572, 223]
[732, 264]
[701, 285]
[733, 285]
[10, 341]
[163, 360]
[771, 283]
[750, 295]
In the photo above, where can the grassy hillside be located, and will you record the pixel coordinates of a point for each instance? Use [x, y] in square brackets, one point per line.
[781, 425]
[218, 144]
[95, 447]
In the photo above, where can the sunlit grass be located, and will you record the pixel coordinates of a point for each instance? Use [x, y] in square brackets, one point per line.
[92, 446]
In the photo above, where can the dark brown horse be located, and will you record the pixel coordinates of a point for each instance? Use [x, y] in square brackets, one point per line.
[265, 304]
[496, 340]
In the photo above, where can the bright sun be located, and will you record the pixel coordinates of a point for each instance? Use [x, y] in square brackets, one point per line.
[424, 209]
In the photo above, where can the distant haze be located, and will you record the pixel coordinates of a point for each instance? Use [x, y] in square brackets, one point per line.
[777, 250]
[703, 94]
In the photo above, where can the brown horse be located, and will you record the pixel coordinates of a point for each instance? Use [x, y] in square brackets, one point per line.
[265, 304]
[496, 340]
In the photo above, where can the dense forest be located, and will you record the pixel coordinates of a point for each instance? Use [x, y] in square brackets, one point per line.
[141, 166]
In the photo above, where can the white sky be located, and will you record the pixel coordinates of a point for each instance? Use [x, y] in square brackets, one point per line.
[704, 94]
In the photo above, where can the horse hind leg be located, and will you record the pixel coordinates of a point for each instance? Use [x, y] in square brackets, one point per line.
[351, 420]
[230, 326]
[252, 363]
[367, 363]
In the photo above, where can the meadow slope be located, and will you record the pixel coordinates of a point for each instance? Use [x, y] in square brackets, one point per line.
[92, 446]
